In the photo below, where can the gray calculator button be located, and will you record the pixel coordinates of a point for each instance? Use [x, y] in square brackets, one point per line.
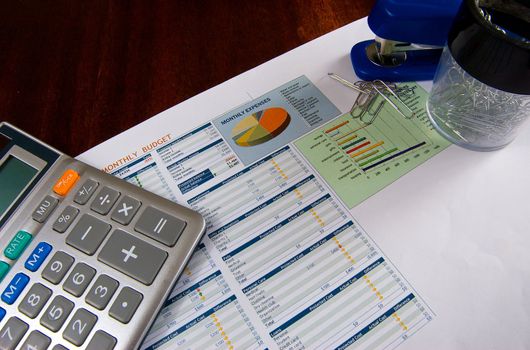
[84, 192]
[125, 305]
[79, 279]
[104, 200]
[65, 219]
[101, 341]
[44, 209]
[12, 333]
[101, 292]
[59, 347]
[55, 315]
[34, 301]
[88, 234]
[132, 256]
[79, 327]
[125, 210]
[57, 267]
[36, 340]
[160, 226]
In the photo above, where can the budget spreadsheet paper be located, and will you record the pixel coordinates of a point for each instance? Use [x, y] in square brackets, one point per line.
[282, 171]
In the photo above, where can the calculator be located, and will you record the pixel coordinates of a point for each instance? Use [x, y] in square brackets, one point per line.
[87, 259]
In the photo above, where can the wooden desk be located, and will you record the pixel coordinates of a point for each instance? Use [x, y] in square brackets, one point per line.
[75, 73]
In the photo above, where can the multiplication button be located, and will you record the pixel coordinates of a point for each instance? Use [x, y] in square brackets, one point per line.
[132, 256]
[160, 226]
[125, 210]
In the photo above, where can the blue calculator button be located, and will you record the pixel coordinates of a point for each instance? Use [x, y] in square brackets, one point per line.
[2, 313]
[37, 257]
[14, 288]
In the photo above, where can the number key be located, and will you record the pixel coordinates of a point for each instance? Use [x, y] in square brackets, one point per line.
[79, 279]
[101, 292]
[12, 333]
[56, 313]
[34, 301]
[79, 327]
[57, 267]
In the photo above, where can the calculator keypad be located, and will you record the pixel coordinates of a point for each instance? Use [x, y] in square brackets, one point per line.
[90, 231]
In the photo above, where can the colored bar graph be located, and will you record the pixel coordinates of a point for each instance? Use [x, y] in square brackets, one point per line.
[358, 147]
[345, 135]
[394, 156]
[367, 149]
[346, 140]
[369, 154]
[337, 126]
[378, 157]
[354, 143]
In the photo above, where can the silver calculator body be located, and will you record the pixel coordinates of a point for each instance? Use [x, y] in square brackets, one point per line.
[87, 259]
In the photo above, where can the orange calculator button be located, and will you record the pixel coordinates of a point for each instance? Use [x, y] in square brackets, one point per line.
[65, 182]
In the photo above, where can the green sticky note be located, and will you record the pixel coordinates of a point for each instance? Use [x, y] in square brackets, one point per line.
[18, 243]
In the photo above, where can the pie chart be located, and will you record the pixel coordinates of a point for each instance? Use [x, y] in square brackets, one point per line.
[260, 127]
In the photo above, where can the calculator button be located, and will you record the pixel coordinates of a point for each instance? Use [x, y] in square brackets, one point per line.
[65, 219]
[65, 182]
[85, 191]
[88, 234]
[56, 313]
[160, 226]
[37, 257]
[79, 279]
[101, 341]
[34, 301]
[14, 288]
[4, 269]
[2, 313]
[125, 305]
[16, 246]
[44, 209]
[104, 200]
[79, 327]
[12, 333]
[36, 340]
[59, 347]
[57, 267]
[125, 210]
[132, 256]
[101, 292]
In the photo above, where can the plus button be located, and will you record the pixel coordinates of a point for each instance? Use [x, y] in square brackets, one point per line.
[129, 254]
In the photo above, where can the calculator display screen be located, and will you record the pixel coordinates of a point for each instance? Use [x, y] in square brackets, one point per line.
[15, 175]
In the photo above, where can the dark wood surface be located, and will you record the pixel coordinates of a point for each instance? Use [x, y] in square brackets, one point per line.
[75, 73]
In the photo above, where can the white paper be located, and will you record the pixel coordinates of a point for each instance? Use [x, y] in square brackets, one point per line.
[459, 238]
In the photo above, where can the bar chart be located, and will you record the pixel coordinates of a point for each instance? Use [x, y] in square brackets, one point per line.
[358, 157]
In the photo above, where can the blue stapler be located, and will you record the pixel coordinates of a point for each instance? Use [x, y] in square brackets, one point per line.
[410, 35]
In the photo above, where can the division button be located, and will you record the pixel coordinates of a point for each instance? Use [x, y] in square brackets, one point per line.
[36, 340]
[104, 200]
[101, 341]
[101, 292]
[125, 305]
[86, 191]
[65, 219]
[12, 333]
[34, 301]
[79, 279]
[56, 313]
[79, 327]
[132, 256]
[88, 234]
[44, 209]
[57, 267]
[37, 257]
[160, 226]
[125, 210]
